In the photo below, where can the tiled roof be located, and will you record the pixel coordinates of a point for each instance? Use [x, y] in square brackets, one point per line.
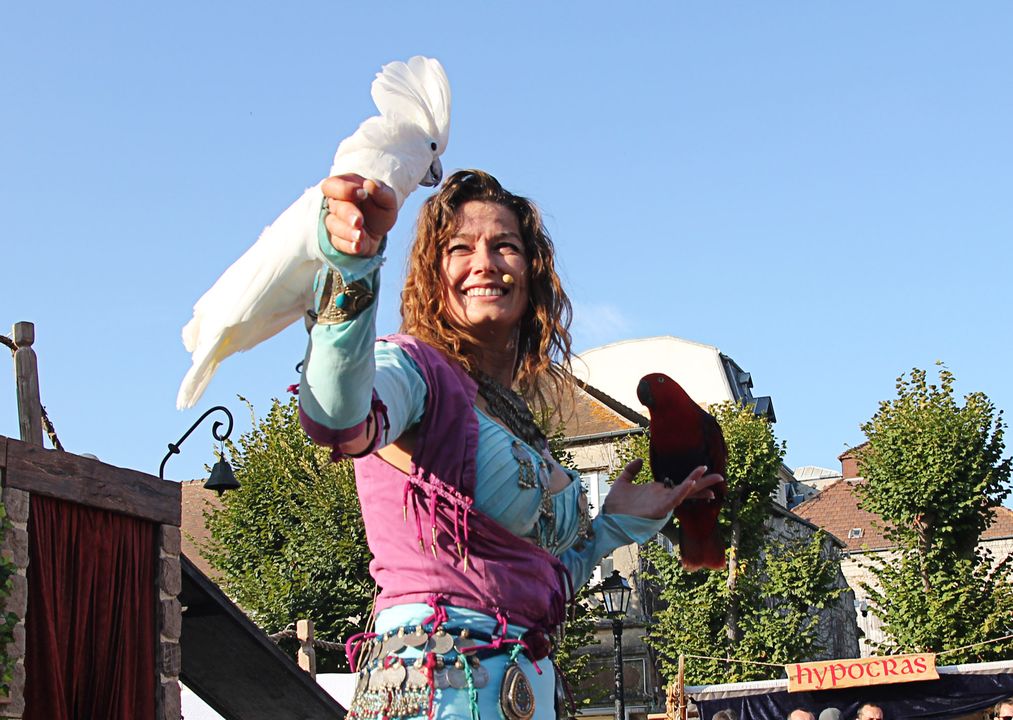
[589, 411]
[194, 533]
[836, 510]
[1002, 525]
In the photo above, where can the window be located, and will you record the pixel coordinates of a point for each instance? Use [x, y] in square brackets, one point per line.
[855, 533]
[596, 483]
[602, 571]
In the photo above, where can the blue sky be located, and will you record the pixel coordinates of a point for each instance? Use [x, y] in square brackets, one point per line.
[822, 191]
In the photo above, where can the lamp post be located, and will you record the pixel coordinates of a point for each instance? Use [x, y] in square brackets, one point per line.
[615, 596]
[222, 478]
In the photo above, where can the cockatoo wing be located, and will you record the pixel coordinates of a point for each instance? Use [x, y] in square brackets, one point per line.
[270, 286]
[262, 293]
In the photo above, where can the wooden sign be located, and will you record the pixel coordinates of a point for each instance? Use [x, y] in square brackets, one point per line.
[833, 674]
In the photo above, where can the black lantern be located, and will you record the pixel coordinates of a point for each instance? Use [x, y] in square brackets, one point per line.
[615, 597]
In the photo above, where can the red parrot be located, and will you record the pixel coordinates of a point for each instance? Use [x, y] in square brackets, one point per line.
[684, 436]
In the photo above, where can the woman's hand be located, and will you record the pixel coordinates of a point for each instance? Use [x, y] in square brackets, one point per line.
[655, 500]
[360, 213]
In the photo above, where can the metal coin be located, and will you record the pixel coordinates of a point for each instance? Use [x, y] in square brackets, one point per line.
[416, 638]
[392, 645]
[457, 678]
[416, 677]
[394, 675]
[480, 676]
[361, 683]
[375, 680]
[463, 643]
[372, 651]
[441, 642]
[440, 679]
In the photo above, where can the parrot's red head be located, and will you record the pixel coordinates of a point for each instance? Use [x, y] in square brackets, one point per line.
[657, 390]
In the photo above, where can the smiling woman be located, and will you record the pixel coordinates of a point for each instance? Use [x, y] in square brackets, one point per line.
[478, 535]
[486, 249]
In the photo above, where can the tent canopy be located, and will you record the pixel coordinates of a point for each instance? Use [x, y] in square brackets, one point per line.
[960, 690]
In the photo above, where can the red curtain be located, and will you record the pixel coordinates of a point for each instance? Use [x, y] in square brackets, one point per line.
[91, 626]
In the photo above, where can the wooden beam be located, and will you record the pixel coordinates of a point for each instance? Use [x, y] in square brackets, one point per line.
[90, 482]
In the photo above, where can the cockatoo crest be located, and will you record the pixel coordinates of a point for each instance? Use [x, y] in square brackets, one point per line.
[270, 286]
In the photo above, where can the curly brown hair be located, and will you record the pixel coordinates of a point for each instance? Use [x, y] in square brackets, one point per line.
[544, 339]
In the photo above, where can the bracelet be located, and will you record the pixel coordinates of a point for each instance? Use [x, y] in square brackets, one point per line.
[340, 302]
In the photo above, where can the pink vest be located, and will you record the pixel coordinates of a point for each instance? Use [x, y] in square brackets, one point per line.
[426, 537]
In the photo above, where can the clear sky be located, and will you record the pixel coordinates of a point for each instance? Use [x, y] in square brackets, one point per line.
[821, 190]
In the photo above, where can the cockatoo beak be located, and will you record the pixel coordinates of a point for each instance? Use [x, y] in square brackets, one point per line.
[433, 175]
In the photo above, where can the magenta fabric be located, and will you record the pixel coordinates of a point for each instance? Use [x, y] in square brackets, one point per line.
[475, 562]
[91, 624]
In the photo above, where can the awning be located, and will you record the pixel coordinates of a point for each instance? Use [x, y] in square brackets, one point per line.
[960, 690]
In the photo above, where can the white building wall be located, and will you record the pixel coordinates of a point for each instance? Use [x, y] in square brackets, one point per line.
[617, 368]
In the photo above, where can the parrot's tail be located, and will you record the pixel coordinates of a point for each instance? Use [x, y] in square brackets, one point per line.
[706, 551]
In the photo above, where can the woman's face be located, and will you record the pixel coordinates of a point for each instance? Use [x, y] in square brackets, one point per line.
[486, 246]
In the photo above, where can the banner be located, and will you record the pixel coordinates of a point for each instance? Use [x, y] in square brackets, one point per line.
[833, 674]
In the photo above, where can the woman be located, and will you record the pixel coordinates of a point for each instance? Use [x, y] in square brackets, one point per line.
[478, 535]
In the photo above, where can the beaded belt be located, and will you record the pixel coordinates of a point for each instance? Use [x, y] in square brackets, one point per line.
[391, 686]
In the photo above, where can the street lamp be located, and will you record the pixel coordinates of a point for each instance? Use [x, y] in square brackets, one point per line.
[615, 596]
[222, 477]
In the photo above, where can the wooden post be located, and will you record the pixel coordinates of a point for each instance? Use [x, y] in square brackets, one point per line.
[307, 655]
[26, 376]
[681, 686]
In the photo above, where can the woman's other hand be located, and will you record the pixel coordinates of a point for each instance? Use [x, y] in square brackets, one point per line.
[656, 500]
[360, 213]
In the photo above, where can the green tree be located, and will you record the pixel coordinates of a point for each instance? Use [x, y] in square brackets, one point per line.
[290, 542]
[934, 472]
[765, 605]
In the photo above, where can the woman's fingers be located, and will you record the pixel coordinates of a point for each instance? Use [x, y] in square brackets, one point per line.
[631, 471]
[359, 213]
[697, 486]
[349, 187]
[656, 500]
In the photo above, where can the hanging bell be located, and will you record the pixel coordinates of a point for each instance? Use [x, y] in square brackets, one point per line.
[222, 478]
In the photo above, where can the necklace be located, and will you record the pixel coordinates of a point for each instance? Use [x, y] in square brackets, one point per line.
[510, 407]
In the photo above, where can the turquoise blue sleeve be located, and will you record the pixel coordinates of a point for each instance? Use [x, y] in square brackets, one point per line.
[344, 364]
[611, 531]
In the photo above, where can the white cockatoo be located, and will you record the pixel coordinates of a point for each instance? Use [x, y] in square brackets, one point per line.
[270, 286]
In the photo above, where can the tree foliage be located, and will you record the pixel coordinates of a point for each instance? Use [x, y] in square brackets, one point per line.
[934, 472]
[765, 606]
[290, 542]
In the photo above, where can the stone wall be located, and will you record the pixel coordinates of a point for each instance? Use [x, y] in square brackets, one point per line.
[170, 621]
[15, 547]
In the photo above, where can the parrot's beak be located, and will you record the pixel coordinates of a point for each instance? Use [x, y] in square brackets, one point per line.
[433, 175]
[644, 393]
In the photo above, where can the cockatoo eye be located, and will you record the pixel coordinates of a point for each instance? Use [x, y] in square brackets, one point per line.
[432, 146]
